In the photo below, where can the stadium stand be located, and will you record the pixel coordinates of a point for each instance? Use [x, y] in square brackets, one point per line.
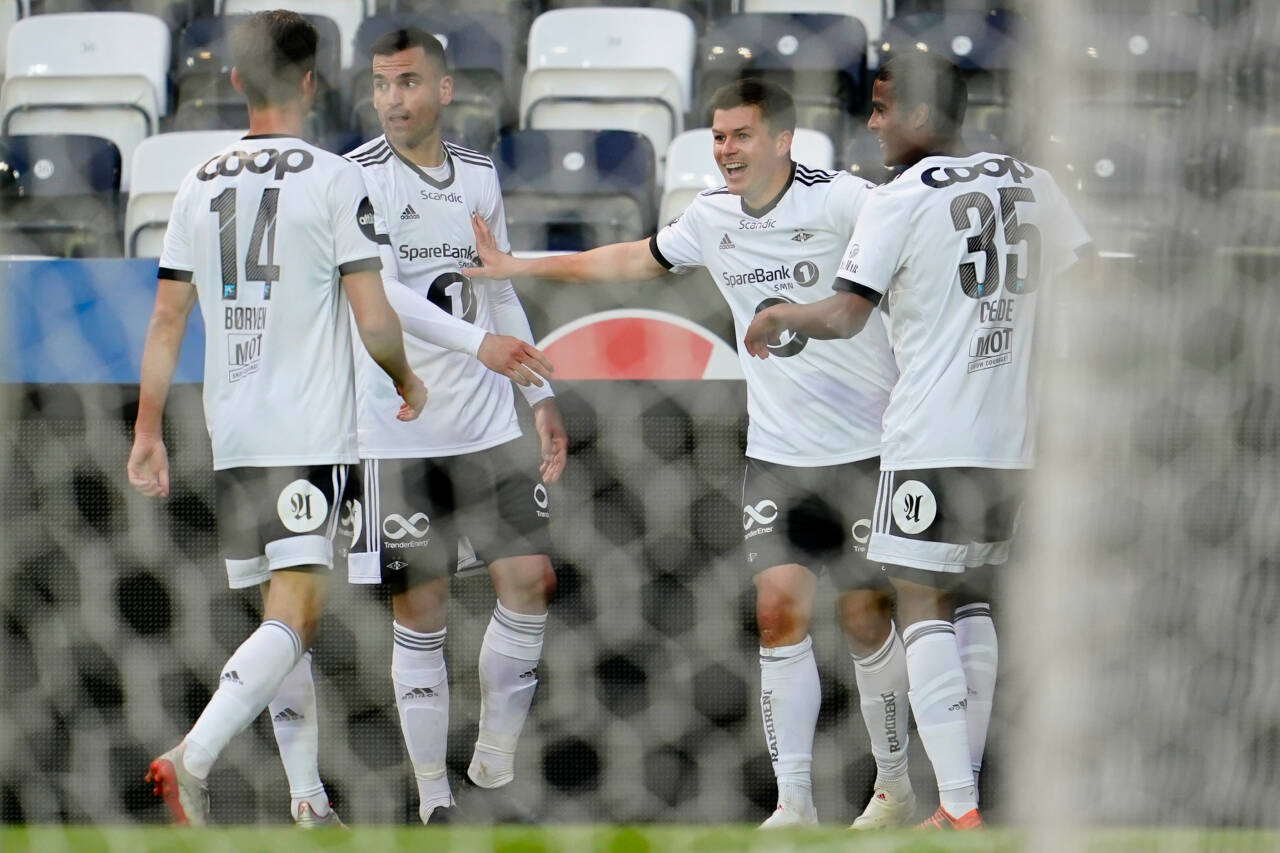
[691, 165]
[483, 61]
[103, 73]
[870, 13]
[206, 99]
[346, 14]
[620, 69]
[59, 195]
[821, 59]
[160, 163]
[576, 189]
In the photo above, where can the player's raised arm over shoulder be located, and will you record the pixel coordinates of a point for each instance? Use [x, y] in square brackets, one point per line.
[613, 263]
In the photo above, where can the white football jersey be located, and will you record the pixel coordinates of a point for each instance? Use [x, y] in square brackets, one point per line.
[960, 248]
[264, 230]
[427, 217]
[810, 403]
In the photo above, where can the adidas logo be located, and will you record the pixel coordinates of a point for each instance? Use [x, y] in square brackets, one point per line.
[532, 673]
[409, 213]
[726, 243]
[420, 693]
[288, 715]
[232, 677]
[801, 236]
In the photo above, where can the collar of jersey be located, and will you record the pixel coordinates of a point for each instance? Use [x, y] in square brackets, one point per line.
[269, 136]
[748, 210]
[417, 170]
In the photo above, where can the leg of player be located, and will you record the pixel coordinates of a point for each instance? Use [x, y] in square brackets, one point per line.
[880, 669]
[938, 698]
[980, 656]
[422, 689]
[295, 721]
[789, 691]
[509, 663]
[250, 677]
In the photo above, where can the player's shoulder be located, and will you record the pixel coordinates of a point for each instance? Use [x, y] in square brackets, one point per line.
[468, 156]
[374, 153]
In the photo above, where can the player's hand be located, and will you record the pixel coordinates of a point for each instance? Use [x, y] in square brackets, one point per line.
[765, 330]
[492, 261]
[555, 443]
[514, 359]
[414, 395]
[148, 466]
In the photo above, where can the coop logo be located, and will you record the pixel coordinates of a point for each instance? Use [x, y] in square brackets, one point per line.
[940, 177]
[396, 527]
[465, 255]
[232, 163]
[763, 513]
[756, 224]
[990, 348]
[244, 355]
[451, 198]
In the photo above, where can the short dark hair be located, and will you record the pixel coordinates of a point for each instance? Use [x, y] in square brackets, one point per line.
[407, 37]
[775, 103]
[272, 52]
[929, 79]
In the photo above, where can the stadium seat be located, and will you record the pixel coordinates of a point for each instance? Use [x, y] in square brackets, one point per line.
[691, 165]
[576, 189]
[174, 13]
[59, 195]
[986, 45]
[9, 14]
[623, 69]
[347, 14]
[104, 73]
[482, 57]
[206, 99]
[159, 165]
[871, 13]
[821, 59]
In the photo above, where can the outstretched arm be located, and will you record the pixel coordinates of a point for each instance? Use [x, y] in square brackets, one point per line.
[840, 315]
[612, 263]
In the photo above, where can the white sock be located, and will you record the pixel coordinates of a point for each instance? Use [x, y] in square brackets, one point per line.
[979, 655]
[938, 699]
[789, 701]
[294, 720]
[882, 687]
[250, 677]
[422, 698]
[508, 676]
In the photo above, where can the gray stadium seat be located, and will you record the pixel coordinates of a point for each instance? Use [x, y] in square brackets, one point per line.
[347, 14]
[59, 196]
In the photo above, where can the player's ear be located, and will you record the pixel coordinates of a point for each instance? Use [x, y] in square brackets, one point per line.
[446, 90]
[783, 141]
[308, 85]
[235, 80]
[920, 117]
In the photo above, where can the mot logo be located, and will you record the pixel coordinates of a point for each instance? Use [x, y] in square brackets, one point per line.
[990, 348]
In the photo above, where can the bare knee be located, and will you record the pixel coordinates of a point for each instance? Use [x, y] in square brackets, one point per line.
[422, 607]
[866, 618]
[784, 604]
[524, 584]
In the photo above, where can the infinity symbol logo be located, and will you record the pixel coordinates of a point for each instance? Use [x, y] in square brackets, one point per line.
[405, 528]
[765, 512]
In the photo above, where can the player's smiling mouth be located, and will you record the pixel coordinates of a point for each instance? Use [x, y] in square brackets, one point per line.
[734, 167]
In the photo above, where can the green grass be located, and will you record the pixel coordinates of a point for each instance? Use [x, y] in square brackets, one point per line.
[608, 839]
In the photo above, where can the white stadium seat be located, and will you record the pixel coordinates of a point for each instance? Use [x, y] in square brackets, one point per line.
[159, 164]
[610, 69]
[98, 73]
[872, 13]
[691, 166]
[347, 14]
[10, 11]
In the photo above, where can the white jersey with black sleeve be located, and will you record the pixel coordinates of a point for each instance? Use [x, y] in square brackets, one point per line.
[960, 249]
[427, 217]
[264, 230]
[809, 404]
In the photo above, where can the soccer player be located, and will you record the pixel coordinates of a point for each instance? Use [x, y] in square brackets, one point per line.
[275, 237]
[774, 235]
[957, 248]
[464, 469]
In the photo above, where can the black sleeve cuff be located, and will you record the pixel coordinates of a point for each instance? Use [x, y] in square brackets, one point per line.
[365, 265]
[872, 296]
[175, 275]
[657, 253]
[382, 239]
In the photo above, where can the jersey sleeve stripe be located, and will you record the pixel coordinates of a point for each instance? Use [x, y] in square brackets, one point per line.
[175, 275]
[371, 151]
[862, 290]
[362, 265]
[375, 161]
[657, 253]
[475, 161]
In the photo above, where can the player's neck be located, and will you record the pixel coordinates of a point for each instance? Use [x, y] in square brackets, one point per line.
[949, 147]
[770, 192]
[281, 119]
[427, 153]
